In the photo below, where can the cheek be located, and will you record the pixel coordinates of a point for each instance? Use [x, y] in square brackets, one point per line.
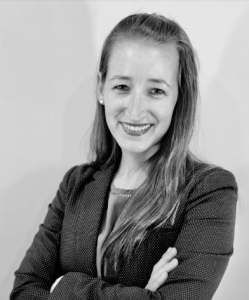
[111, 113]
[164, 114]
[113, 109]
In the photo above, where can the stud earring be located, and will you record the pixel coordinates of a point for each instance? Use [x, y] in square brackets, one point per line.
[101, 101]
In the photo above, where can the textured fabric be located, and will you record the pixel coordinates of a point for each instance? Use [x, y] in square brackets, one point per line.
[114, 208]
[66, 242]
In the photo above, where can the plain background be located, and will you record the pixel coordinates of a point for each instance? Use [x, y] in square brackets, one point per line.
[48, 56]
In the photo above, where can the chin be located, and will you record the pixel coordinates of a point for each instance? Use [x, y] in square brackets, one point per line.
[138, 149]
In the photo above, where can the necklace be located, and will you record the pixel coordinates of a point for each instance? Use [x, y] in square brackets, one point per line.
[120, 194]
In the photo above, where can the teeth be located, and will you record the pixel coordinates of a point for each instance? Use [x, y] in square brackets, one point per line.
[132, 128]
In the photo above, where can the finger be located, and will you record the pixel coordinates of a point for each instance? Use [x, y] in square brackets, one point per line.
[168, 267]
[159, 281]
[167, 257]
[171, 251]
[161, 276]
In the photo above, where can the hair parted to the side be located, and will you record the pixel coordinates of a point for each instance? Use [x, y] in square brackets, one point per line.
[157, 199]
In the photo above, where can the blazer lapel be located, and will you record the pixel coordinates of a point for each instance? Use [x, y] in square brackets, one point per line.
[94, 201]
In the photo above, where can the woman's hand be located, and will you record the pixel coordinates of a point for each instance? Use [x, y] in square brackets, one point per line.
[161, 269]
[55, 283]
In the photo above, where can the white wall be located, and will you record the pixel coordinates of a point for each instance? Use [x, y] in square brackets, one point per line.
[48, 55]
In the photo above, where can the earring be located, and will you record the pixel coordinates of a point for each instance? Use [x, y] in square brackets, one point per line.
[101, 101]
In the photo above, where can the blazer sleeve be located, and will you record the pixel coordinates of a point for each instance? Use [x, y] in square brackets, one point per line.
[204, 244]
[40, 266]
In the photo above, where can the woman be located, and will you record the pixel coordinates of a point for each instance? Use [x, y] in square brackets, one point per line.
[145, 219]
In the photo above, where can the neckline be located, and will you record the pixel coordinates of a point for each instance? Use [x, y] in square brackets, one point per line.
[118, 190]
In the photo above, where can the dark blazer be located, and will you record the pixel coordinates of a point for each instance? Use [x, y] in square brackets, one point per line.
[66, 242]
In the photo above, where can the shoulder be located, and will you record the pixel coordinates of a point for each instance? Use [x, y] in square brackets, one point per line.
[80, 173]
[210, 176]
[210, 181]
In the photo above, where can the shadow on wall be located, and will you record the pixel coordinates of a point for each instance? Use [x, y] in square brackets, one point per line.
[228, 108]
[29, 197]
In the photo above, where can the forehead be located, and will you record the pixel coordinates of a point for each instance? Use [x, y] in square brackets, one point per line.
[142, 57]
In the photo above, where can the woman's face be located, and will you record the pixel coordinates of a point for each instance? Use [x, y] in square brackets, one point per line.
[140, 93]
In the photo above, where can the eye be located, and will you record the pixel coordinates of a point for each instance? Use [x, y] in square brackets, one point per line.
[121, 88]
[157, 92]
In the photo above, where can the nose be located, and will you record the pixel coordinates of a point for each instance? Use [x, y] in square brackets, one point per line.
[136, 107]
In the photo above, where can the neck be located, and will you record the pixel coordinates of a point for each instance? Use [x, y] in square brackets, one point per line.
[131, 172]
[129, 163]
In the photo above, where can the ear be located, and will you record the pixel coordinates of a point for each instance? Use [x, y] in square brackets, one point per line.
[100, 88]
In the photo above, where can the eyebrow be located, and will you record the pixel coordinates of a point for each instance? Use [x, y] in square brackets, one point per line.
[155, 80]
[120, 77]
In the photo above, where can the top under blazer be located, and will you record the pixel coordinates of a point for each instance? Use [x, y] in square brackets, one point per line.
[66, 242]
[116, 203]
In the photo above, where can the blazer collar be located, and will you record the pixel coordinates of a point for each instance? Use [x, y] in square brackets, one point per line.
[94, 201]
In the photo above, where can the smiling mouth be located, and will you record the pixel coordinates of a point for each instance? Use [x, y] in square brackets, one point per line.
[136, 129]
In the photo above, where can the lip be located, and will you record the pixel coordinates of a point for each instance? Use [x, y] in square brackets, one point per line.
[135, 125]
[137, 133]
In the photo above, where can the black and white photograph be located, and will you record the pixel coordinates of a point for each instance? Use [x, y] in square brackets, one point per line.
[124, 150]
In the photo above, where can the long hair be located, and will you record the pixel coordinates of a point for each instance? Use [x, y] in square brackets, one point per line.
[156, 201]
